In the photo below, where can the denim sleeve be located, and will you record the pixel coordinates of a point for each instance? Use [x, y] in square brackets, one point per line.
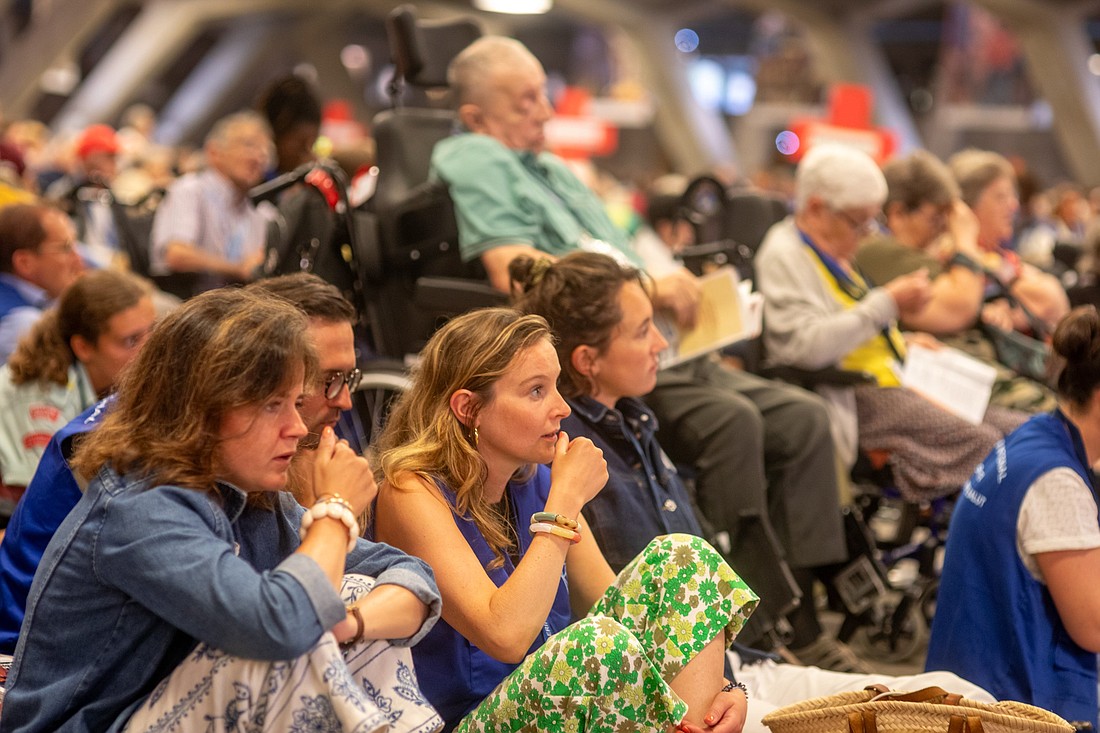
[172, 550]
[388, 565]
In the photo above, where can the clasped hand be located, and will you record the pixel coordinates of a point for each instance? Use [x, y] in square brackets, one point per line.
[579, 469]
[337, 469]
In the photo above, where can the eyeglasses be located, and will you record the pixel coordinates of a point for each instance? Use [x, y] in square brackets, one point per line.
[65, 248]
[870, 225]
[334, 383]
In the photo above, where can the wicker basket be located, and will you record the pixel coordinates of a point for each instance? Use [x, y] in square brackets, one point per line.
[932, 710]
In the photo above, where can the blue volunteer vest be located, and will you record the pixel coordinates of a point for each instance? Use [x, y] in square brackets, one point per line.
[10, 299]
[454, 674]
[996, 625]
[49, 498]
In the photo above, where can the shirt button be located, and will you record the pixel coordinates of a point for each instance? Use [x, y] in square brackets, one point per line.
[670, 505]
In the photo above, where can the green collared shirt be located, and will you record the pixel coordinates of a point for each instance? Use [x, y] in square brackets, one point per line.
[503, 196]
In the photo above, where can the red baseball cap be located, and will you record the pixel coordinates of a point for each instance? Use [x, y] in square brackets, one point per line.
[96, 139]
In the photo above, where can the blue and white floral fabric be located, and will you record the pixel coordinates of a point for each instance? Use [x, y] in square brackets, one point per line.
[370, 687]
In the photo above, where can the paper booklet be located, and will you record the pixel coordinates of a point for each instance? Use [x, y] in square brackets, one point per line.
[952, 380]
[728, 312]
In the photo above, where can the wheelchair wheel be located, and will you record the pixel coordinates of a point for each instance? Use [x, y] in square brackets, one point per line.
[899, 634]
[382, 382]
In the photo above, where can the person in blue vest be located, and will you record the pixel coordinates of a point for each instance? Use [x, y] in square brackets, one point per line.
[1018, 610]
[38, 260]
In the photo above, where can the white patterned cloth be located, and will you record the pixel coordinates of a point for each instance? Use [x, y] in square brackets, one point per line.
[370, 687]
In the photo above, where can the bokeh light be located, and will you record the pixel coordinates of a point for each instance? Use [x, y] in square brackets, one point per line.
[687, 40]
[787, 142]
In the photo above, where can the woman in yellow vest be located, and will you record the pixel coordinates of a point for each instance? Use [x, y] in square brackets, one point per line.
[819, 311]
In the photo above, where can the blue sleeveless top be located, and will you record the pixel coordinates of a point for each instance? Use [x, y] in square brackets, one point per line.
[454, 674]
[995, 625]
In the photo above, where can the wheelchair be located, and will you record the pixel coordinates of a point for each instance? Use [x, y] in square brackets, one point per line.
[409, 260]
[886, 592]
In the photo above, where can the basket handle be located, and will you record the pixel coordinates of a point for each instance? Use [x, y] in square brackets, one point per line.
[864, 722]
[940, 695]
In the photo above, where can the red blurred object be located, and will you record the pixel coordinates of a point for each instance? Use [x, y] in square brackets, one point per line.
[848, 122]
[574, 133]
[322, 181]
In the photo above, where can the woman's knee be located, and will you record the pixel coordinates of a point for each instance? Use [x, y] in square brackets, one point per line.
[594, 645]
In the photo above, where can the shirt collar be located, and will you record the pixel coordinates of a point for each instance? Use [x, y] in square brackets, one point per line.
[31, 293]
[233, 499]
[222, 188]
[628, 409]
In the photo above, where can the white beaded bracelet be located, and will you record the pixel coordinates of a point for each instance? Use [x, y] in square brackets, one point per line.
[335, 508]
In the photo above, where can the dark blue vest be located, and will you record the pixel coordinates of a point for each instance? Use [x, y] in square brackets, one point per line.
[10, 299]
[995, 625]
[50, 496]
[454, 674]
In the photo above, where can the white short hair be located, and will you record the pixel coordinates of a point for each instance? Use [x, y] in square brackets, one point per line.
[841, 176]
[470, 71]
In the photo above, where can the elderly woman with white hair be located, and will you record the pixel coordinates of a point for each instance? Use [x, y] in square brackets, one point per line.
[820, 312]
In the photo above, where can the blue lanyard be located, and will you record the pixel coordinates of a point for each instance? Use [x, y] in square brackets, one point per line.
[844, 281]
[851, 288]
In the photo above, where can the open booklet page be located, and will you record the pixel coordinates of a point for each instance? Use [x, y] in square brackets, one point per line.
[956, 382]
[728, 312]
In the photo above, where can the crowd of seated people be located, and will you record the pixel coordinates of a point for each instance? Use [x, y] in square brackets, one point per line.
[70, 359]
[533, 607]
[820, 312]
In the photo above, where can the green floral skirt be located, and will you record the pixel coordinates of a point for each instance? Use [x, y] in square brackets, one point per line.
[609, 672]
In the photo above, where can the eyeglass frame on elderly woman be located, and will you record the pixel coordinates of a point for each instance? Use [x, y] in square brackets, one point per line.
[335, 381]
[871, 225]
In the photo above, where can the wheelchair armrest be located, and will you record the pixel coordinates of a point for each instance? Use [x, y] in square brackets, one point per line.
[809, 378]
[724, 251]
[456, 294]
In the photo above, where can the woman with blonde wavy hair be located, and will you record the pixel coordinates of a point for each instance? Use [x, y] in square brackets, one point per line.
[70, 358]
[466, 489]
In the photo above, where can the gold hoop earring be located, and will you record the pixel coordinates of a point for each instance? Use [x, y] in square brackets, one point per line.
[474, 435]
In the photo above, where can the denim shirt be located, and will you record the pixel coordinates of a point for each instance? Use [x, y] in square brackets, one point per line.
[644, 497]
[138, 574]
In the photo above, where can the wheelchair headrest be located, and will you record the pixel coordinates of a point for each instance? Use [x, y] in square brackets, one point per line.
[422, 50]
[719, 212]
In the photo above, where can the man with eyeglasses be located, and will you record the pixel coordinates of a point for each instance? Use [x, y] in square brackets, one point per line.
[331, 319]
[38, 260]
[206, 224]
